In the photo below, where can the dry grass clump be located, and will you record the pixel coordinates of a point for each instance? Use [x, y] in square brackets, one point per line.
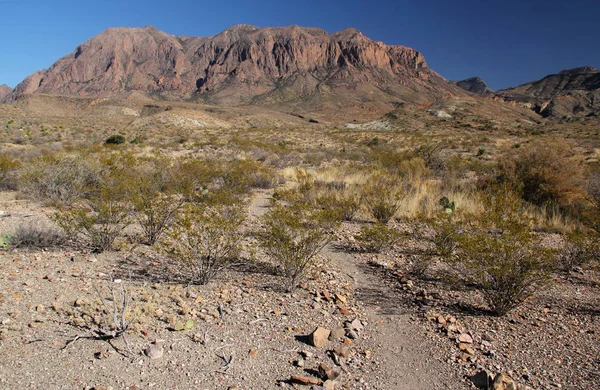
[36, 236]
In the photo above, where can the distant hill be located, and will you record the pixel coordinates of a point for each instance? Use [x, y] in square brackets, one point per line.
[474, 85]
[567, 94]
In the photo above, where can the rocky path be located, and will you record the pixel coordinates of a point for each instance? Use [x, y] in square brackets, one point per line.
[405, 358]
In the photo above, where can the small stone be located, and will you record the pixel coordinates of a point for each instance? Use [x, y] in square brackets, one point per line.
[465, 338]
[337, 333]
[253, 352]
[319, 338]
[81, 301]
[351, 334]
[299, 363]
[303, 380]
[328, 372]
[340, 298]
[503, 382]
[441, 320]
[356, 324]
[329, 385]
[233, 388]
[487, 337]
[341, 351]
[39, 308]
[154, 351]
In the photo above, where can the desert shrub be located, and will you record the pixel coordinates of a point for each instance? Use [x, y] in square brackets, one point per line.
[544, 172]
[99, 219]
[431, 153]
[578, 250]
[345, 202]
[60, 179]
[155, 200]
[115, 139]
[377, 237]
[204, 239]
[293, 237]
[36, 236]
[381, 196]
[8, 171]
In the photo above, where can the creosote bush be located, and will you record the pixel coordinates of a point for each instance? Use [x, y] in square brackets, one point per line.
[579, 249]
[99, 219]
[508, 266]
[204, 239]
[293, 237]
[377, 237]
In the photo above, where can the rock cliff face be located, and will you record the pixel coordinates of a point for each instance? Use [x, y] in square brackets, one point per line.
[474, 85]
[4, 90]
[567, 94]
[243, 64]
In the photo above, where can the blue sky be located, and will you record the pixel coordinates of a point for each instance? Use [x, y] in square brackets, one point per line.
[505, 42]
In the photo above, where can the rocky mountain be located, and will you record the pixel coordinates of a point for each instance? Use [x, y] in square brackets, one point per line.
[244, 64]
[567, 94]
[474, 85]
[4, 90]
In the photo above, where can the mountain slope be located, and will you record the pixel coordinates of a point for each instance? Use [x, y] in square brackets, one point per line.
[4, 90]
[569, 93]
[244, 64]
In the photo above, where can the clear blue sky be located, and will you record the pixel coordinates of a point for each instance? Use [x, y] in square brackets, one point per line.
[506, 42]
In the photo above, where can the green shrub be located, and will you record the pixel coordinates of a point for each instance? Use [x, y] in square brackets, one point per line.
[377, 237]
[508, 266]
[8, 172]
[99, 219]
[205, 239]
[293, 237]
[115, 139]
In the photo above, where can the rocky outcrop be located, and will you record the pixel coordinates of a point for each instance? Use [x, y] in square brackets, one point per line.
[567, 94]
[4, 91]
[243, 64]
[474, 85]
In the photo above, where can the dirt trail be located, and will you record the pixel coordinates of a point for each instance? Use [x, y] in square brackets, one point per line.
[406, 359]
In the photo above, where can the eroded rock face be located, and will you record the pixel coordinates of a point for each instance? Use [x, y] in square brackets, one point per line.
[240, 65]
[569, 93]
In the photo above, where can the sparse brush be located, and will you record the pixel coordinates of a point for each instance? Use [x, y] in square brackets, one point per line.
[59, 179]
[381, 196]
[100, 219]
[36, 236]
[293, 237]
[579, 249]
[204, 239]
[378, 237]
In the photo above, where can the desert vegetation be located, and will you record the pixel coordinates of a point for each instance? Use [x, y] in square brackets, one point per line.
[503, 223]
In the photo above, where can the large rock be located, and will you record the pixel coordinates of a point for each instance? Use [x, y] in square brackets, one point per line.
[483, 379]
[319, 338]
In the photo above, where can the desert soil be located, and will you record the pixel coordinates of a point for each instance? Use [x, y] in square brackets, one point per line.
[246, 333]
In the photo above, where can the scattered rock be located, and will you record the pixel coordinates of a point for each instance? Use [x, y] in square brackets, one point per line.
[319, 338]
[503, 382]
[356, 325]
[351, 334]
[303, 380]
[341, 351]
[154, 351]
[465, 338]
[329, 385]
[337, 333]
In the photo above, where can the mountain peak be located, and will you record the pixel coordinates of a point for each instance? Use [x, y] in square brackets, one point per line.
[474, 85]
[580, 70]
[243, 64]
